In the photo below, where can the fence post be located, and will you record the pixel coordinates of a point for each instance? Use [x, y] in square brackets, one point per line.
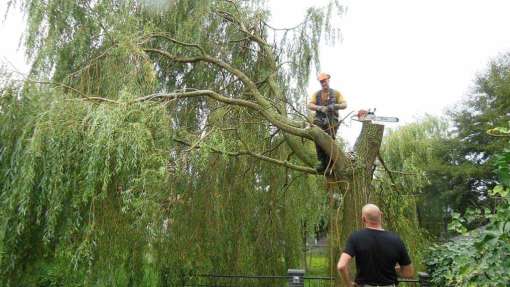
[296, 277]
[424, 279]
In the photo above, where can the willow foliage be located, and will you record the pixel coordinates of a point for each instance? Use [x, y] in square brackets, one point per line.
[98, 188]
[408, 152]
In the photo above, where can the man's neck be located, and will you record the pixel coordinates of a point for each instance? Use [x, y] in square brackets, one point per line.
[375, 227]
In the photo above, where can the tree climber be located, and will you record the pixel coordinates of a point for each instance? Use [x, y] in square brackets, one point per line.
[326, 103]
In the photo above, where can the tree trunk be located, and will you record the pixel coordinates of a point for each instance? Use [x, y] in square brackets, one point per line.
[351, 188]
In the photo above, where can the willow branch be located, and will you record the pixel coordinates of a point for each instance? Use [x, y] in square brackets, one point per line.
[263, 105]
[167, 36]
[56, 84]
[198, 93]
[284, 29]
[398, 172]
[101, 99]
[255, 155]
[277, 145]
[200, 140]
[386, 168]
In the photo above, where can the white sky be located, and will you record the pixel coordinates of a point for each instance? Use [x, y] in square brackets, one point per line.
[407, 57]
[403, 57]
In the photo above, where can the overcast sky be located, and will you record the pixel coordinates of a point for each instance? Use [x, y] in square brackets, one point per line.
[408, 57]
[403, 57]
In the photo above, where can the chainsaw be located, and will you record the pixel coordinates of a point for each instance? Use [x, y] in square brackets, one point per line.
[364, 116]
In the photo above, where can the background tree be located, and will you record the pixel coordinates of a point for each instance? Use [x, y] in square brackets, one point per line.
[471, 153]
[451, 263]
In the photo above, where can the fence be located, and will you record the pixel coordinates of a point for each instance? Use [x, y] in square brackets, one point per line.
[294, 278]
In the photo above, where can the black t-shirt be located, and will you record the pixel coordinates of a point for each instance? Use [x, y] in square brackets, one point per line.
[376, 253]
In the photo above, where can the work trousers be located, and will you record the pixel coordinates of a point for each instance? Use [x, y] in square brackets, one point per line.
[330, 130]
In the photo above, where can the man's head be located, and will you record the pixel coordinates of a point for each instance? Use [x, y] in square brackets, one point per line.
[371, 215]
[323, 78]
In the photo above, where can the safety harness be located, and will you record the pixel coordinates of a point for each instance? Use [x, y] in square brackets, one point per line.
[331, 117]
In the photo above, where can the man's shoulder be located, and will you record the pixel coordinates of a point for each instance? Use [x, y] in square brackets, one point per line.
[338, 95]
[390, 236]
[375, 232]
[361, 233]
[315, 93]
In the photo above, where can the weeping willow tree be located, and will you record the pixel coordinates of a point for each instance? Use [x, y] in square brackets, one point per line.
[153, 140]
[403, 177]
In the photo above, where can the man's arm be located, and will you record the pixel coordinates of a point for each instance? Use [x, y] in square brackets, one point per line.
[341, 103]
[343, 269]
[405, 271]
[341, 106]
[312, 105]
[315, 107]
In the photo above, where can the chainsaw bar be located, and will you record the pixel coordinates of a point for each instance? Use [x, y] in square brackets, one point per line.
[363, 117]
[379, 119]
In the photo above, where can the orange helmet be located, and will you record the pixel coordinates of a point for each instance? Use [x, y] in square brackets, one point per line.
[323, 76]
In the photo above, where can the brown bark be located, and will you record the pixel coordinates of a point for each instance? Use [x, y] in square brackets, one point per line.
[348, 193]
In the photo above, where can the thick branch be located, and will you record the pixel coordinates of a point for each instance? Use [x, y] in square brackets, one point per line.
[198, 93]
[294, 143]
[265, 107]
[328, 144]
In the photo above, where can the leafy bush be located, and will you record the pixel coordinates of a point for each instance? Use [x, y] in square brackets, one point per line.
[480, 257]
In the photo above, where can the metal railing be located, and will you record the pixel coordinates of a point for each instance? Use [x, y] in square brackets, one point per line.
[290, 280]
[212, 280]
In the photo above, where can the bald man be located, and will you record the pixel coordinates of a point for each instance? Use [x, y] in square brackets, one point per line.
[379, 254]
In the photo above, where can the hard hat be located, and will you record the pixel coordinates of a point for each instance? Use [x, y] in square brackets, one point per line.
[323, 76]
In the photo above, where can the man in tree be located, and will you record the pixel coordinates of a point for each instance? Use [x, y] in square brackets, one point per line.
[377, 253]
[326, 103]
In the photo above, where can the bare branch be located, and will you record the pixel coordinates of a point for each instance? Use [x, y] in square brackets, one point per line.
[284, 29]
[390, 172]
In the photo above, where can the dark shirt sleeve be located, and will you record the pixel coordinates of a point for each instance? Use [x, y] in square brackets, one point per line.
[349, 247]
[403, 256]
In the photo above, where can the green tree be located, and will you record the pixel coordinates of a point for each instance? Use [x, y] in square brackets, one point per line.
[407, 180]
[472, 151]
[452, 263]
[147, 141]
[121, 166]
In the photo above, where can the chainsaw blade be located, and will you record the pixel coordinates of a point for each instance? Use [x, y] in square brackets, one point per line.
[378, 119]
